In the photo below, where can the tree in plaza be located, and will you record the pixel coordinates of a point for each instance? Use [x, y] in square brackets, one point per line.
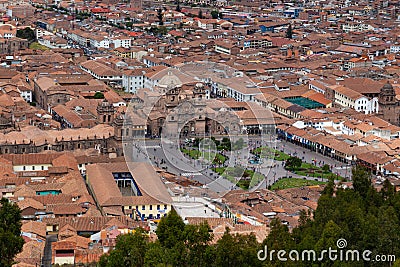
[11, 241]
[326, 168]
[293, 163]
[239, 144]
[289, 32]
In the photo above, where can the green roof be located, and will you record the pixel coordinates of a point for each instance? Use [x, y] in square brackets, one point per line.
[305, 102]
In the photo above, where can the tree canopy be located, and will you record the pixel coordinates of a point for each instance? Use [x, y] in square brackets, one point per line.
[98, 95]
[11, 241]
[293, 163]
[179, 244]
[215, 14]
[26, 33]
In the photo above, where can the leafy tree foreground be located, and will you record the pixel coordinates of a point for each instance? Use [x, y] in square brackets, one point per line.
[11, 241]
[365, 218]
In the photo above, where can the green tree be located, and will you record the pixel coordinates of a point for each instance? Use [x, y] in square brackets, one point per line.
[197, 240]
[239, 144]
[98, 95]
[361, 180]
[293, 163]
[163, 30]
[332, 232]
[130, 250]
[11, 241]
[26, 33]
[326, 168]
[279, 238]
[236, 250]
[170, 230]
[388, 232]
[289, 32]
[156, 255]
[215, 14]
[388, 191]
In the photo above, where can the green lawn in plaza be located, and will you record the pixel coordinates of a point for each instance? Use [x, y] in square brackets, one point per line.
[293, 183]
[268, 152]
[209, 156]
[248, 179]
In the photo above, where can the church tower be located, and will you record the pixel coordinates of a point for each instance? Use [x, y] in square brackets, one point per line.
[388, 104]
[105, 112]
[199, 91]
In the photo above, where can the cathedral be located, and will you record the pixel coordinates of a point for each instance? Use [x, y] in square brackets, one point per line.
[183, 109]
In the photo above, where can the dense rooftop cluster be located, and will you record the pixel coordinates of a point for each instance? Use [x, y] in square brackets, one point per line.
[77, 78]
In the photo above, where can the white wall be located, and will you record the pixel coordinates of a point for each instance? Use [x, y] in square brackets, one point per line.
[33, 167]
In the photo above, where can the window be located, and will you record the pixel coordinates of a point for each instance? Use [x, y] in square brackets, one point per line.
[24, 168]
[158, 207]
[33, 168]
[151, 207]
[165, 207]
[143, 207]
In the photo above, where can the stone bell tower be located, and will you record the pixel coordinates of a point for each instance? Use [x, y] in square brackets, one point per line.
[105, 111]
[389, 108]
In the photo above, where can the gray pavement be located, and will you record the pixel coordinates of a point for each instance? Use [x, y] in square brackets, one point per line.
[168, 156]
[173, 161]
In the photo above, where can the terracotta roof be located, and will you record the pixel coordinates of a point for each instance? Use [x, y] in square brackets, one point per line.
[39, 137]
[89, 223]
[34, 227]
[30, 203]
[100, 69]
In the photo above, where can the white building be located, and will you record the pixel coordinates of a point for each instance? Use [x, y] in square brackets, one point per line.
[26, 94]
[346, 97]
[132, 80]
[395, 48]
[99, 42]
[121, 42]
